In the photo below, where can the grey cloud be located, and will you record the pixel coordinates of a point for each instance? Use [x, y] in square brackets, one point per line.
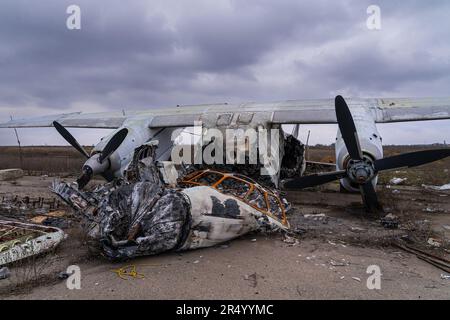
[141, 54]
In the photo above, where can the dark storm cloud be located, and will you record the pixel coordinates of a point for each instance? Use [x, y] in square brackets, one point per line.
[140, 54]
[130, 48]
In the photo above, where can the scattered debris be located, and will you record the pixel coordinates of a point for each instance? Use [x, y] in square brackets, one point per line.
[28, 204]
[21, 240]
[431, 210]
[434, 242]
[396, 181]
[318, 215]
[4, 273]
[357, 279]
[63, 275]
[53, 219]
[321, 217]
[445, 276]
[253, 240]
[291, 241]
[390, 221]
[338, 263]
[128, 271]
[437, 188]
[438, 262]
[357, 229]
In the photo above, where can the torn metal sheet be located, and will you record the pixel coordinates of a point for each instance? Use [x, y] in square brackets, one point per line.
[21, 240]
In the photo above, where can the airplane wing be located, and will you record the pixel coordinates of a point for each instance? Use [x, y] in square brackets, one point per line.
[75, 120]
[319, 111]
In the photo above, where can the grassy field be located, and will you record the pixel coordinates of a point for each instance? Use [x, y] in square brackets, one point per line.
[46, 159]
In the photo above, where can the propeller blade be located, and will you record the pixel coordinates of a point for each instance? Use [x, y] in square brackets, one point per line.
[69, 138]
[314, 180]
[347, 128]
[370, 197]
[411, 159]
[84, 179]
[113, 144]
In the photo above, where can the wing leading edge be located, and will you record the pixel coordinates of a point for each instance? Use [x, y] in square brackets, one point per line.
[319, 111]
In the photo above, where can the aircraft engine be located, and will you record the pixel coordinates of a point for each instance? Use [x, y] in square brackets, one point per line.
[359, 156]
[371, 146]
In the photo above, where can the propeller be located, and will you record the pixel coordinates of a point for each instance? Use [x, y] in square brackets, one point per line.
[69, 138]
[361, 170]
[96, 163]
[411, 159]
[113, 144]
[347, 128]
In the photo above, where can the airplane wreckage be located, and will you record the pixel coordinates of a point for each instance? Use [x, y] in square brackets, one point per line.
[150, 204]
[143, 214]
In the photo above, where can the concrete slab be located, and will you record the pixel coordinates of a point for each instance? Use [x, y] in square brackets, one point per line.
[10, 174]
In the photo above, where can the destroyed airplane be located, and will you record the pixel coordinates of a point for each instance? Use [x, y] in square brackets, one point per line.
[145, 214]
[144, 209]
[358, 148]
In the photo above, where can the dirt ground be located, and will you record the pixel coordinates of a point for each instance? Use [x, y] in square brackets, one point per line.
[334, 244]
[263, 269]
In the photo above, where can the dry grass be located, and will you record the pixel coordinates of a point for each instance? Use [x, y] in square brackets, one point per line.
[46, 159]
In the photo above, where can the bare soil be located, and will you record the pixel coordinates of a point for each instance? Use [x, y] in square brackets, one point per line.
[336, 242]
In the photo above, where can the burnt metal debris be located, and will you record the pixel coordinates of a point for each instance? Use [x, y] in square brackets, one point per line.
[20, 240]
[133, 216]
[140, 215]
[15, 203]
[293, 163]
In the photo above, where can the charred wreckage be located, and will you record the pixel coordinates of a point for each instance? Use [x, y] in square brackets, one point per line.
[150, 210]
[149, 205]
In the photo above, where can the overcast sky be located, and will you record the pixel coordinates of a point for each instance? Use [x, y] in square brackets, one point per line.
[145, 54]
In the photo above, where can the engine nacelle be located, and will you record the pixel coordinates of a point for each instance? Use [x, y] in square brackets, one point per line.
[370, 143]
[138, 134]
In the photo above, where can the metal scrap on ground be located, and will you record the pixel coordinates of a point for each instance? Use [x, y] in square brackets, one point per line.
[21, 240]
